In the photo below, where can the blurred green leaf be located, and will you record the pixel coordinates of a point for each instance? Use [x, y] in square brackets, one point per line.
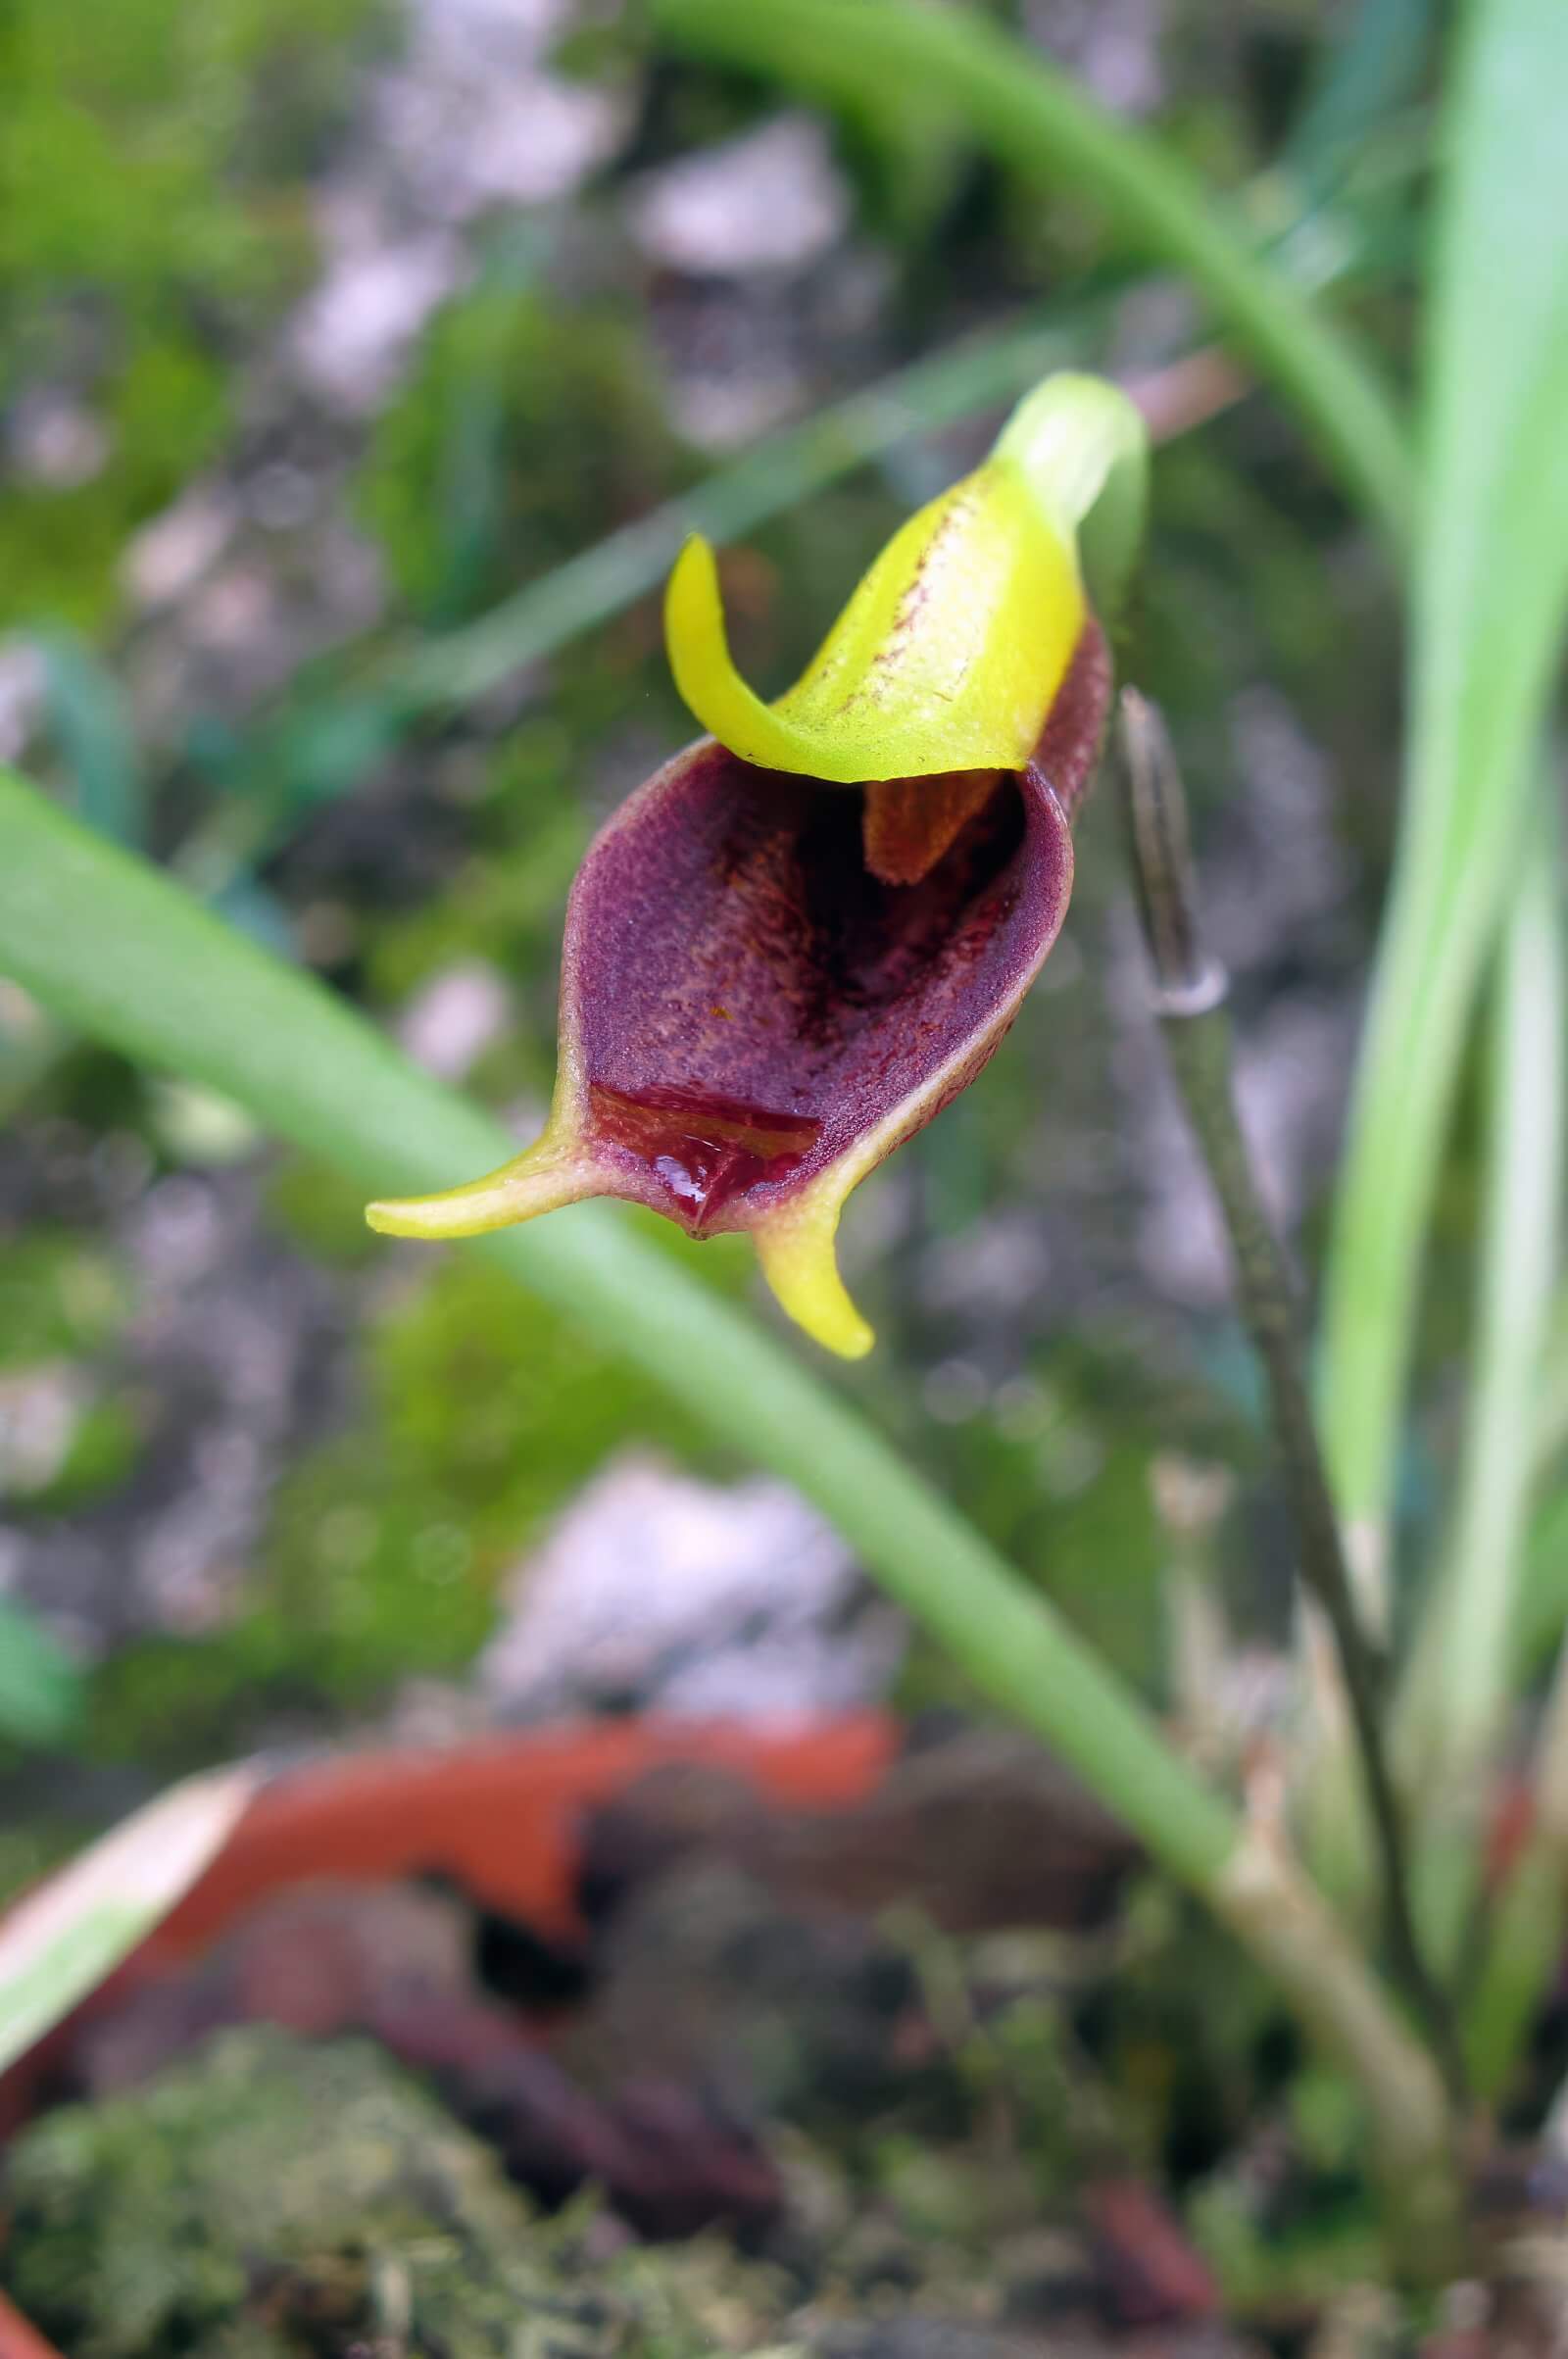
[42, 1691]
[1490, 592]
[1377, 68]
[59, 1942]
[1543, 1616]
[1458, 1682]
[92, 728]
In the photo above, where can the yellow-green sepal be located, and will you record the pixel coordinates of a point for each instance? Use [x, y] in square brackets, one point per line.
[1082, 448]
[953, 645]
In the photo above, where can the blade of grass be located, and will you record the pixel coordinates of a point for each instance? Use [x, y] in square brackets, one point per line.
[1543, 1598]
[123, 954]
[1543, 1606]
[866, 54]
[1373, 72]
[1490, 586]
[1551, 1407]
[1457, 1685]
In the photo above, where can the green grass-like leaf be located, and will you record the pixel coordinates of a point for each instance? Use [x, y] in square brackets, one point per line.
[1459, 1681]
[1490, 593]
[91, 724]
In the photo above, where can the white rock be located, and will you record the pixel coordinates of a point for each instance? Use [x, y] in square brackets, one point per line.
[455, 1018]
[772, 200]
[688, 1597]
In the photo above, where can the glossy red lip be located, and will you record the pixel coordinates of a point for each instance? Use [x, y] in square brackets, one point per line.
[702, 1149]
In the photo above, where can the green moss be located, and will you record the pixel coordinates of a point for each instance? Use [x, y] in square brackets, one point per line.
[142, 135]
[100, 1456]
[59, 1295]
[293, 2197]
[1268, 2272]
[486, 1414]
[490, 1413]
[151, 209]
[320, 1211]
[268, 2198]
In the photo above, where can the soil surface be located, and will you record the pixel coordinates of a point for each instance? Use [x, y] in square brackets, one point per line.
[936, 2076]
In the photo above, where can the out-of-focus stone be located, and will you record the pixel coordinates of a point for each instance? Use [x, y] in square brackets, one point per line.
[771, 200]
[456, 1018]
[687, 1597]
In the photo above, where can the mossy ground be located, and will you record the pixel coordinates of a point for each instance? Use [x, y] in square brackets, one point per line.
[271, 2198]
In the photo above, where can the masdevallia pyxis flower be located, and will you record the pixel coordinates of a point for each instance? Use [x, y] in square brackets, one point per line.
[803, 936]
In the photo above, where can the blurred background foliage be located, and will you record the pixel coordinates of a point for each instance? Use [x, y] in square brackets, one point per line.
[326, 327]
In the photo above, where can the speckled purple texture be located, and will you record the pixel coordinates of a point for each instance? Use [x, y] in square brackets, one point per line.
[747, 1002]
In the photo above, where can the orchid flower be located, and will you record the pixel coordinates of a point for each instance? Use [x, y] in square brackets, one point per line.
[803, 936]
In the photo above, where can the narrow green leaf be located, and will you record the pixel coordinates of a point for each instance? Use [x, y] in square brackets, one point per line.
[1458, 1681]
[1521, 1957]
[1490, 592]
[59, 1942]
[1552, 1405]
[1543, 1607]
[1373, 71]
[866, 54]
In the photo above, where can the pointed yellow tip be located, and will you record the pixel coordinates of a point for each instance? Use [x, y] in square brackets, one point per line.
[946, 658]
[539, 1181]
[800, 1264]
[704, 670]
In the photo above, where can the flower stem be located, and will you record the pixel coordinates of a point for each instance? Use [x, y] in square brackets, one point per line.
[1190, 990]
